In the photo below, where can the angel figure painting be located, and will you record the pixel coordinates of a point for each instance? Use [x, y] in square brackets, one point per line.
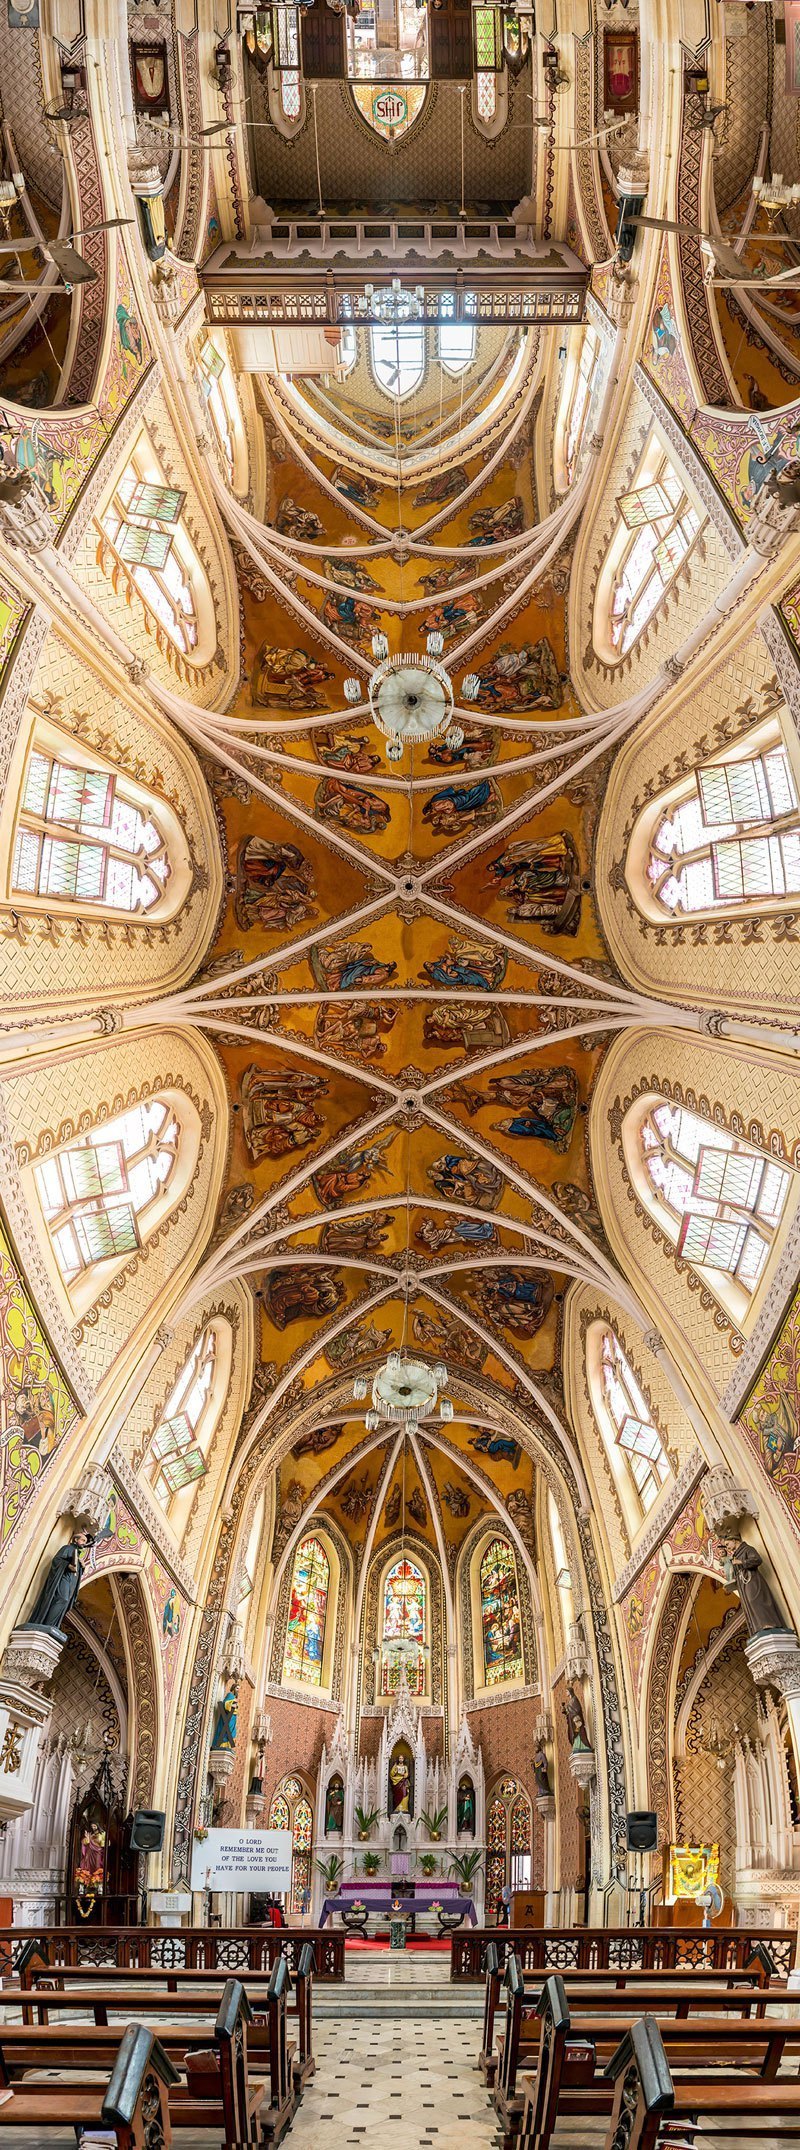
[301, 1293]
[526, 678]
[278, 1112]
[545, 1103]
[274, 885]
[348, 807]
[351, 1172]
[467, 964]
[514, 1299]
[359, 1027]
[288, 677]
[471, 1180]
[460, 809]
[462, 1027]
[346, 750]
[344, 966]
[539, 879]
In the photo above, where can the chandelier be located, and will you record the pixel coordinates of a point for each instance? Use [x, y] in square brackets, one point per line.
[395, 303]
[411, 697]
[404, 1389]
[774, 194]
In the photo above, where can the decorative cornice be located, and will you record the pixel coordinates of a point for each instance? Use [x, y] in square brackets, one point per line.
[719, 513]
[660, 1522]
[150, 1521]
[492, 1702]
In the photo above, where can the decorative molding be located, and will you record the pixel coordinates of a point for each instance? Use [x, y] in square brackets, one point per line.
[719, 513]
[509, 1694]
[775, 634]
[774, 1660]
[725, 1502]
[660, 1521]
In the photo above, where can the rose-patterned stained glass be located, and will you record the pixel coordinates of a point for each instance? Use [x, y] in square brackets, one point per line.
[500, 1621]
[495, 1854]
[308, 1607]
[279, 1816]
[36, 1408]
[302, 1828]
[403, 1620]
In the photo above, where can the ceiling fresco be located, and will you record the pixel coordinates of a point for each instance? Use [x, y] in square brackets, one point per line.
[401, 967]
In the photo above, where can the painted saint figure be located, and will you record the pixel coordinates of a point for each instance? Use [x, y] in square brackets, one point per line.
[226, 1722]
[274, 885]
[540, 880]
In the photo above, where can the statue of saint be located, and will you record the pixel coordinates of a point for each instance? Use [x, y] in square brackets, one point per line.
[60, 1587]
[400, 1782]
[576, 1722]
[90, 1868]
[465, 1807]
[541, 1771]
[225, 1723]
[334, 1807]
[742, 1567]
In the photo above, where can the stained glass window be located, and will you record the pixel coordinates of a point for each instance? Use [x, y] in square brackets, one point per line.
[290, 1809]
[279, 1816]
[213, 384]
[142, 521]
[662, 526]
[398, 357]
[580, 399]
[731, 837]
[97, 1193]
[520, 1842]
[636, 1434]
[179, 1444]
[457, 341]
[500, 1621]
[495, 1854]
[721, 1199]
[404, 1623]
[83, 836]
[308, 1606]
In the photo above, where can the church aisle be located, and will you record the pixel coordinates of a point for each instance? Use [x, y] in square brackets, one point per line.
[416, 2076]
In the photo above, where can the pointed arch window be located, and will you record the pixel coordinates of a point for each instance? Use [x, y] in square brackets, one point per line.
[509, 1835]
[308, 1612]
[457, 338]
[98, 1194]
[580, 398]
[657, 527]
[635, 1432]
[291, 1809]
[180, 1444]
[730, 837]
[720, 1199]
[143, 525]
[213, 380]
[85, 836]
[404, 1628]
[501, 1627]
[398, 357]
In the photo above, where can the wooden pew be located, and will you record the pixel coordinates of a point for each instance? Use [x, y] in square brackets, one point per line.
[41, 1994]
[133, 2104]
[574, 2050]
[650, 2107]
[211, 2088]
[714, 1988]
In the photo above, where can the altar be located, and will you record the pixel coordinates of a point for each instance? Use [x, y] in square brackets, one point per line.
[378, 1898]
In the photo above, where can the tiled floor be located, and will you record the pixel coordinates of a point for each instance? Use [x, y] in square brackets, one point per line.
[413, 2085]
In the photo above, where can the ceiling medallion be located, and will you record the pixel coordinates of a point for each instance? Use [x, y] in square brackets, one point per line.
[406, 1390]
[411, 696]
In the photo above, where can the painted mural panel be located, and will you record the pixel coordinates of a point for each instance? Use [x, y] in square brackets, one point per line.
[36, 1408]
[121, 1543]
[770, 1420]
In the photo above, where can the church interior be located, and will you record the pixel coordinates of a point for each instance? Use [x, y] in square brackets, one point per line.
[399, 1127]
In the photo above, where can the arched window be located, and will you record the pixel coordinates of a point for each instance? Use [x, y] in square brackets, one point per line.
[633, 1429]
[142, 523]
[398, 357]
[580, 395]
[214, 379]
[486, 95]
[85, 835]
[657, 527]
[308, 1611]
[501, 1627]
[509, 1824]
[181, 1441]
[290, 1808]
[719, 1199]
[457, 342]
[97, 1194]
[403, 1634]
[730, 836]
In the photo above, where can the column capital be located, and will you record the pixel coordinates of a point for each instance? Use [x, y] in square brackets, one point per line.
[774, 1660]
[726, 1503]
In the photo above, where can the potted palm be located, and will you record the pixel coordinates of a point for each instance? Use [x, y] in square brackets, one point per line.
[371, 1863]
[466, 1864]
[434, 1823]
[365, 1818]
[427, 1862]
[331, 1870]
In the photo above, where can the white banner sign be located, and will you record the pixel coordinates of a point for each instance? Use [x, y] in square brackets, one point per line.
[243, 1859]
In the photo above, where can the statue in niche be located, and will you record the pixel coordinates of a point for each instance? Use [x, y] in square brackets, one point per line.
[742, 1566]
[401, 1780]
[91, 1861]
[226, 1723]
[541, 1772]
[576, 1722]
[465, 1807]
[61, 1585]
[334, 1807]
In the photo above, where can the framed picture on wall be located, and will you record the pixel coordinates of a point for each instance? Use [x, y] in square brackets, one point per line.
[621, 71]
[23, 14]
[150, 78]
[791, 29]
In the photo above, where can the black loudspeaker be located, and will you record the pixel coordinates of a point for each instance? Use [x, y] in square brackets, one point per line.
[642, 1832]
[147, 1829]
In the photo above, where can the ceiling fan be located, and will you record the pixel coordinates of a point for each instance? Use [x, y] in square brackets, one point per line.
[719, 253]
[601, 134]
[72, 266]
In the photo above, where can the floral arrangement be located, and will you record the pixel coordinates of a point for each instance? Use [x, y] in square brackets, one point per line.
[436, 1906]
[357, 1904]
[200, 1833]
